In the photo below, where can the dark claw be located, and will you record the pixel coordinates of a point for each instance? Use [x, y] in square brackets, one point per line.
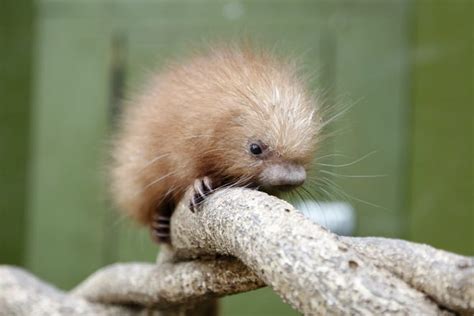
[160, 228]
[192, 205]
[206, 183]
[201, 189]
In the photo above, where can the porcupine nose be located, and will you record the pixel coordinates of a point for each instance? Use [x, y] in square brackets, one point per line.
[283, 177]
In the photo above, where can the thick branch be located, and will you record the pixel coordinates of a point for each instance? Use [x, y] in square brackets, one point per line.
[446, 277]
[312, 269]
[309, 267]
[168, 284]
[23, 294]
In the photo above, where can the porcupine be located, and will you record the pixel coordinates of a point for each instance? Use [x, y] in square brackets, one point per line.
[233, 116]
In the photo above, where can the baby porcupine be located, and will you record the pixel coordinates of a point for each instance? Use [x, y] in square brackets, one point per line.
[233, 116]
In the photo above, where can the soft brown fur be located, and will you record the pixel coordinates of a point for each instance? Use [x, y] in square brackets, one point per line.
[197, 119]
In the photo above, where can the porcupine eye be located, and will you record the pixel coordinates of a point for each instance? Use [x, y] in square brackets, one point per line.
[256, 149]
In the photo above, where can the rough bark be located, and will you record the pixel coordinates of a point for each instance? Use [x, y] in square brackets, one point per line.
[312, 269]
[129, 289]
[168, 284]
[446, 277]
[23, 294]
[309, 267]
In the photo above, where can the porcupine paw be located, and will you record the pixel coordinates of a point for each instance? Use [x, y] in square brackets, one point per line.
[200, 190]
[160, 228]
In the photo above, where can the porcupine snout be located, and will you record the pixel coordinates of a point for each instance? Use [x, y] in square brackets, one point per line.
[283, 176]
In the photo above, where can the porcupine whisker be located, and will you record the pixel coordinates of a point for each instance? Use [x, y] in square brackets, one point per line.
[203, 154]
[324, 137]
[324, 196]
[327, 111]
[198, 136]
[153, 160]
[324, 181]
[325, 134]
[315, 186]
[237, 183]
[310, 194]
[344, 109]
[320, 183]
[352, 175]
[302, 198]
[318, 195]
[158, 180]
[349, 197]
[348, 164]
[297, 192]
[319, 204]
[234, 184]
[118, 220]
[167, 194]
[329, 195]
[366, 202]
[333, 155]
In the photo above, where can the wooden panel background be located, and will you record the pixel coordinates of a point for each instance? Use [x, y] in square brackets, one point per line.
[16, 56]
[362, 53]
[66, 209]
[442, 187]
[73, 231]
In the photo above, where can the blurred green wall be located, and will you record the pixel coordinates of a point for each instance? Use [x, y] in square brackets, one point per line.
[408, 63]
[16, 56]
[441, 210]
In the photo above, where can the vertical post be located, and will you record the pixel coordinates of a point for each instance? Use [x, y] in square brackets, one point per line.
[16, 36]
[442, 141]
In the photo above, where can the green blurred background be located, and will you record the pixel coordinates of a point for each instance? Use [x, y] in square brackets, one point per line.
[408, 66]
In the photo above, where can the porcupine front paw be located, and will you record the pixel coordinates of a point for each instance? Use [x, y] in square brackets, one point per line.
[200, 190]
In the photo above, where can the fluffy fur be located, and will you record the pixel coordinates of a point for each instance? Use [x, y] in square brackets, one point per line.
[197, 119]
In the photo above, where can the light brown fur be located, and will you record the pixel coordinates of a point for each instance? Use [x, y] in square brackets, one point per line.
[197, 119]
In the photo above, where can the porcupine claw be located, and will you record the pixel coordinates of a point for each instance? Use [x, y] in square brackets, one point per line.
[160, 228]
[160, 225]
[200, 190]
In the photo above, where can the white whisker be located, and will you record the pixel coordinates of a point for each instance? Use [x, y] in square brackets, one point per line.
[352, 175]
[348, 196]
[152, 161]
[333, 155]
[348, 164]
[158, 180]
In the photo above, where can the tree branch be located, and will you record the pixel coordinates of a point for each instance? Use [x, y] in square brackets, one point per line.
[21, 293]
[312, 269]
[168, 284]
[446, 277]
[309, 267]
